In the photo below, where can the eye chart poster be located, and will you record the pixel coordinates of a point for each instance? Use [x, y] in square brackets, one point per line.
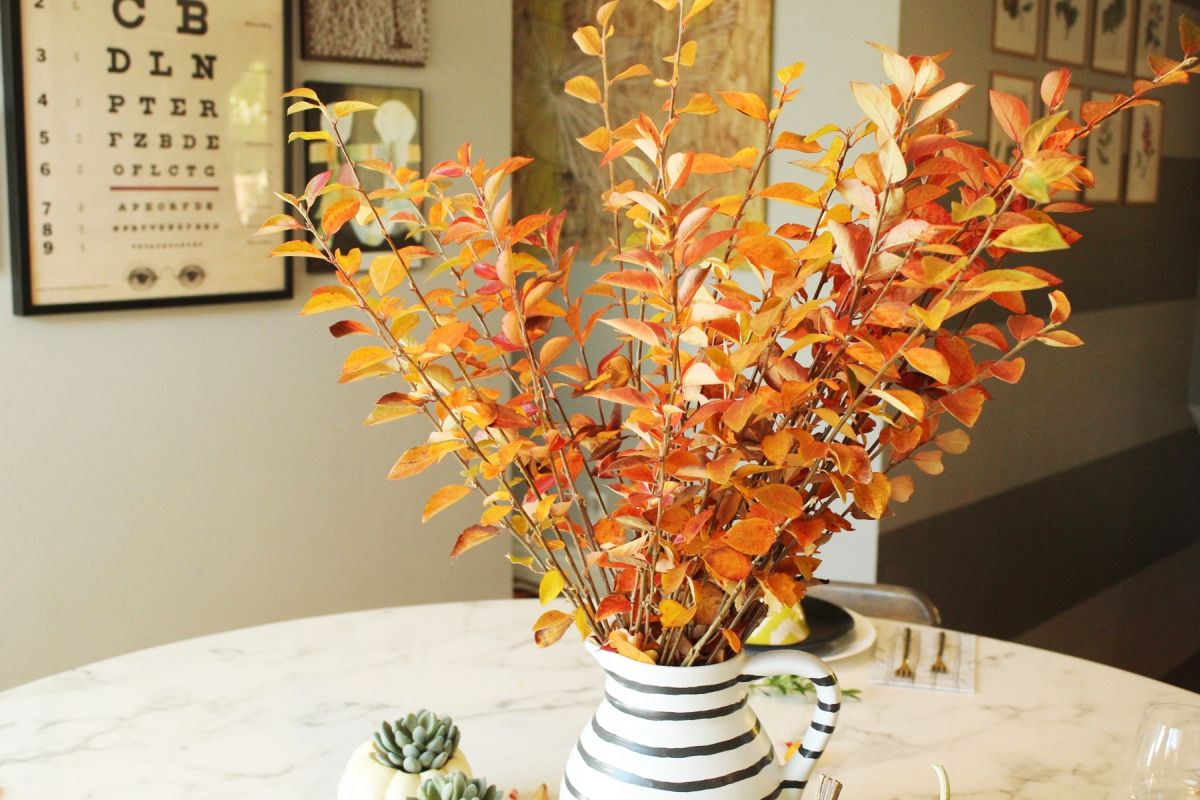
[150, 141]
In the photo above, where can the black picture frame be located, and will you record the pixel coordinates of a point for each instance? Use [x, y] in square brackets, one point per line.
[19, 220]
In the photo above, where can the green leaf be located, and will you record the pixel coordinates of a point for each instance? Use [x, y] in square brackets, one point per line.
[347, 107]
[1037, 132]
[1036, 238]
[983, 207]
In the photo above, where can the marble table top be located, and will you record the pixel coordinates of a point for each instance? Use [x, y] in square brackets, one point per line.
[274, 712]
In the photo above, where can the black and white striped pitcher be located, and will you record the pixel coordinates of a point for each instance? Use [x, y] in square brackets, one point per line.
[665, 731]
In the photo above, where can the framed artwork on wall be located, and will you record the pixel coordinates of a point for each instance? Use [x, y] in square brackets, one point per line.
[143, 145]
[391, 133]
[1015, 26]
[1068, 25]
[1145, 154]
[369, 31]
[1112, 35]
[1151, 35]
[1105, 149]
[1025, 90]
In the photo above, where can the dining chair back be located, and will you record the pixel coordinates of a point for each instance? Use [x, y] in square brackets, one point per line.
[884, 600]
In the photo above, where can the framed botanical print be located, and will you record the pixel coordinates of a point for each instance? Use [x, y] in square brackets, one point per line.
[1145, 154]
[1015, 26]
[1105, 148]
[1151, 35]
[1024, 89]
[391, 133]
[1112, 35]
[143, 144]
[1068, 25]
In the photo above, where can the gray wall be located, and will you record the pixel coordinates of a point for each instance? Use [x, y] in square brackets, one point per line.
[1076, 478]
[170, 473]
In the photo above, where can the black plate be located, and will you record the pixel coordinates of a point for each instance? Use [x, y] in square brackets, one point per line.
[827, 622]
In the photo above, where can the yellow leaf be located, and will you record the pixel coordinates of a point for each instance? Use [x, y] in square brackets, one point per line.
[675, 615]
[551, 586]
[697, 7]
[903, 400]
[930, 362]
[636, 71]
[550, 627]
[588, 39]
[387, 272]
[443, 498]
[472, 536]
[302, 91]
[310, 136]
[582, 624]
[1004, 280]
[621, 642]
[790, 73]
[584, 88]
[953, 442]
[605, 12]
[347, 107]
[389, 413]
[1035, 238]
[328, 298]
[298, 248]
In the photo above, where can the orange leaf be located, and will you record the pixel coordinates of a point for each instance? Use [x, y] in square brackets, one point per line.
[1008, 371]
[584, 88]
[904, 401]
[625, 396]
[443, 498]
[1060, 339]
[620, 641]
[873, 497]
[298, 248]
[954, 442]
[751, 536]
[446, 336]
[637, 329]
[612, 605]
[749, 104]
[902, 488]
[930, 362]
[965, 406]
[1011, 113]
[472, 536]
[729, 564]
[783, 586]
[550, 627]
[418, 459]
[1054, 88]
[1024, 326]
[732, 639]
[1189, 36]
[789, 192]
[328, 298]
[779, 499]
[929, 462]
[338, 214]
[776, 446]
[675, 615]
[632, 279]
[1060, 307]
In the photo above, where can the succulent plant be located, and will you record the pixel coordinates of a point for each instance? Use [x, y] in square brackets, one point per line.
[456, 786]
[416, 743]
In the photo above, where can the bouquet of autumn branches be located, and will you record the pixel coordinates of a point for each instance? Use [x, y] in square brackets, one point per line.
[768, 382]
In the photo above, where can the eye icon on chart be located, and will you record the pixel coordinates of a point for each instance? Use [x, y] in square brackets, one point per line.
[145, 278]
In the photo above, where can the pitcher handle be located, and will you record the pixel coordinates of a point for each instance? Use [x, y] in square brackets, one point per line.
[829, 701]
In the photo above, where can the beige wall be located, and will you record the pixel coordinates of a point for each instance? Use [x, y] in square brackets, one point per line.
[169, 473]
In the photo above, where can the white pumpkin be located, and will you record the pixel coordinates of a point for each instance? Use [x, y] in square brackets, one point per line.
[367, 779]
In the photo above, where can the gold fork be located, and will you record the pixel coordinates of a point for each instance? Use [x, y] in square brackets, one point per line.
[905, 669]
[939, 666]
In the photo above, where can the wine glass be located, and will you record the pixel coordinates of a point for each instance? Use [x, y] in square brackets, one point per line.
[1165, 756]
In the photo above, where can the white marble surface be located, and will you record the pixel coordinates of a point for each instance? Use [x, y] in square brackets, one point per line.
[274, 711]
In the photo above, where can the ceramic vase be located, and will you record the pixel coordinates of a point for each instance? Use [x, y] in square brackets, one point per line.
[673, 732]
